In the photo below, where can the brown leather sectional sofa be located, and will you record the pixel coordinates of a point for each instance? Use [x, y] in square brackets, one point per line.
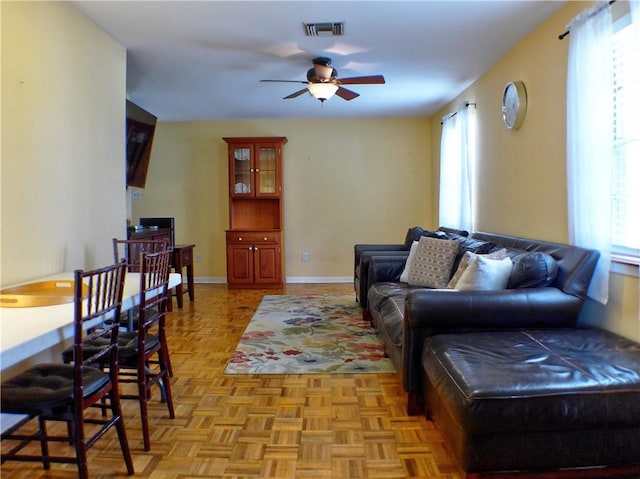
[508, 375]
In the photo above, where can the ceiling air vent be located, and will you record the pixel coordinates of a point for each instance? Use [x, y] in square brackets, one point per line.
[326, 29]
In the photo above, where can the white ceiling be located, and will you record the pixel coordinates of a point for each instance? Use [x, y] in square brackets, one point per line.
[203, 60]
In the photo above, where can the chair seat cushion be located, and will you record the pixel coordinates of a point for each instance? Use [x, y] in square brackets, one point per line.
[47, 386]
[536, 380]
[130, 319]
[127, 345]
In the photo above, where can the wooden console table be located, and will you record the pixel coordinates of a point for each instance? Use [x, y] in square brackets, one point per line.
[183, 257]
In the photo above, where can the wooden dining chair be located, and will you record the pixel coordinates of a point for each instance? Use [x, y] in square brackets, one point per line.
[131, 250]
[144, 354]
[66, 392]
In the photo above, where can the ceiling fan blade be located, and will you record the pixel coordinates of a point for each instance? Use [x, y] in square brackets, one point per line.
[346, 94]
[366, 80]
[285, 81]
[296, 94]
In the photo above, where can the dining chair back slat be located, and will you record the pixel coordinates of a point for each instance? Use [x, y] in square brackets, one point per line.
[132, 249]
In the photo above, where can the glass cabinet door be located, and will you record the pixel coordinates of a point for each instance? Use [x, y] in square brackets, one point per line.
[242, 170]
[266, 171]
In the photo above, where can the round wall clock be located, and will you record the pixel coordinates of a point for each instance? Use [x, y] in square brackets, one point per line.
[514, 104]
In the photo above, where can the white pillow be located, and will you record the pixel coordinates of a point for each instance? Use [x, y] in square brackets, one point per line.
[469, 258]
[485, 274]
[431, 264]
[404, 277]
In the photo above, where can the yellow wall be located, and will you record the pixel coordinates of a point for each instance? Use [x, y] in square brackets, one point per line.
[522, 178]
[345, 182]
[63, 100]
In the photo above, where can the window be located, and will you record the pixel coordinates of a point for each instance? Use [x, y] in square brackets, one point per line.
[457, 149]
[626, 174]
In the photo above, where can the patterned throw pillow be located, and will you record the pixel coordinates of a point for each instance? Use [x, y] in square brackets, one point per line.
[431, 264]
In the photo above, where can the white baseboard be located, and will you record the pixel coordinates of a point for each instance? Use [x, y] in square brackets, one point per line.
[290, 279]
[319, 279]
[210, 279]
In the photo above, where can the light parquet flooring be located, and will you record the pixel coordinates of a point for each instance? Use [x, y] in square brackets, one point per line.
[272, 426]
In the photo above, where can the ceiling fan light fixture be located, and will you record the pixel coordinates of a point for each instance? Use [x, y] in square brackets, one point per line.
[323, 72]
[322, 91]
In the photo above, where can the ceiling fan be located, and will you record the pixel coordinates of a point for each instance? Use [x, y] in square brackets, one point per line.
[322, 82]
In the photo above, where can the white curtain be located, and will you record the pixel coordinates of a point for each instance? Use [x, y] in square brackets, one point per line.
[634, 6]
[456, 169]
[590, 138]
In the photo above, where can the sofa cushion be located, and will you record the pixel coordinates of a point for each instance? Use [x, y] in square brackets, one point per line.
[472, 245]
[392, 318]
[404, 276]
[414, 234]
[575, 264]
[380, 292]
[485, 274]
[532, 270]
[475, 245]
[432, 262]
[467, 259]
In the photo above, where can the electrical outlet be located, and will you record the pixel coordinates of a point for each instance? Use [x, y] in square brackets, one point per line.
[305, 256]
[136, 194]
[198, 258]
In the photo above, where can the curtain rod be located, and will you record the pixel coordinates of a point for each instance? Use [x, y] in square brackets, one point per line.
[467, 104]
[562, 35]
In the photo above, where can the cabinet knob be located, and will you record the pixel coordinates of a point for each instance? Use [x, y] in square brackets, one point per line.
[239, 238]
[265, 238]
[257, 170]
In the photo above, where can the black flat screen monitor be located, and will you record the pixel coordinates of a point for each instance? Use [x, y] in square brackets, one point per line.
[141, 127]
[160, 223]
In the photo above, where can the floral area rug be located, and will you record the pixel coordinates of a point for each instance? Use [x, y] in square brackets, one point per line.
[309, 334]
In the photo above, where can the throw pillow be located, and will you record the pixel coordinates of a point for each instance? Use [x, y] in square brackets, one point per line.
[414, 234]
[404, 277]
[533, 270]
[432, 262]
[474, 246]
[469, 258]
[486, 274]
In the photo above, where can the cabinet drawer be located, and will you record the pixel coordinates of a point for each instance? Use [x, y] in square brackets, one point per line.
[186, 256]
[253, 237]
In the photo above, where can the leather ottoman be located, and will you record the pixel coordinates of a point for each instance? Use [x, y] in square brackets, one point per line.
[536, 400]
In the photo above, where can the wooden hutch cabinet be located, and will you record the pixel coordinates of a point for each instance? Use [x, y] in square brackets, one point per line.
[255, 257]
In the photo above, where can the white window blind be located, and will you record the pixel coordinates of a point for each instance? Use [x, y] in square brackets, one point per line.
[626, 175]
